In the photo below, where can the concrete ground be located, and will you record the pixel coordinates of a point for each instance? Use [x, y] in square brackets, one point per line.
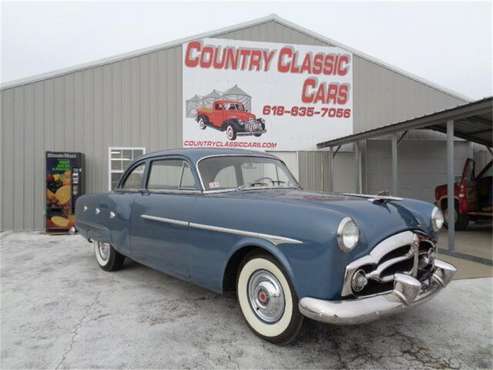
[60, 310]
[476, 240]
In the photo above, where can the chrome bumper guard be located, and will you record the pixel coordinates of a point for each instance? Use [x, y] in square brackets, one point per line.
[407, 292]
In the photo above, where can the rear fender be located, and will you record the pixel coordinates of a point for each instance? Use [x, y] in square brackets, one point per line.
[93, 231]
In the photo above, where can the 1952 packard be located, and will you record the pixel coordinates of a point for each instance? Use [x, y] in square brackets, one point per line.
[238, 220]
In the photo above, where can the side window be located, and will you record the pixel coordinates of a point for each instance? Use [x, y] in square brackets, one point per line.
[187, 179]
[170, 174]
[134, 179]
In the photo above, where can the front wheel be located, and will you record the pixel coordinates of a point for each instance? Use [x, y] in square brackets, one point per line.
[267, 300]
[107, 256]
[202, 123]
[230, 132]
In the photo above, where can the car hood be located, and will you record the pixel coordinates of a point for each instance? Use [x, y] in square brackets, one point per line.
[376, 220]
[242, 116]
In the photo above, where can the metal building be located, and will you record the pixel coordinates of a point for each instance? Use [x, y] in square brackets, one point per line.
[135, 102]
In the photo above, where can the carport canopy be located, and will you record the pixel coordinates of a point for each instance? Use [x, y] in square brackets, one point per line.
[471, 122]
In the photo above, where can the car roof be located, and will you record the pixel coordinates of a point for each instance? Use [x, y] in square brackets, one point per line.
[195, 154]
[228, 101]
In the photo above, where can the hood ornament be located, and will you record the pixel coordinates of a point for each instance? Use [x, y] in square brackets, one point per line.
[376, 198]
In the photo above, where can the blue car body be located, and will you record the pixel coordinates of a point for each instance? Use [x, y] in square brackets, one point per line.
[305, 224]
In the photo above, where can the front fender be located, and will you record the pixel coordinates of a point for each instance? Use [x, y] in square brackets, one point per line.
[276, 252]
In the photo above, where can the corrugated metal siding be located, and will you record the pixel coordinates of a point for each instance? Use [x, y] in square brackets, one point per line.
[314, 174]
[272, 32]
[422, 166]
[134, 102]
[314, 170]
[382, 96]
[138, 102]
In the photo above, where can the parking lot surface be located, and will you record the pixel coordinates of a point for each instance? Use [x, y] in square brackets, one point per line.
[60, 310]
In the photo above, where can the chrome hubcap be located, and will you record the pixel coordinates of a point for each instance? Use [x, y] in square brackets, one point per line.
[229, 132]
[266, 296]
[103, 250]
[201, 123]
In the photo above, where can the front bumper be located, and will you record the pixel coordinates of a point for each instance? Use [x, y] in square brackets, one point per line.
[248, 133]
[252, 127]
[407, 292]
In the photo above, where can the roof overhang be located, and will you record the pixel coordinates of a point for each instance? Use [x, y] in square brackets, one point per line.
[472, 122]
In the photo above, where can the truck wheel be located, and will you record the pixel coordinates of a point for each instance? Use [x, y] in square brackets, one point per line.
[267, 300]
[107, 256]
[202, 123]
[461, 220]
[230, 132]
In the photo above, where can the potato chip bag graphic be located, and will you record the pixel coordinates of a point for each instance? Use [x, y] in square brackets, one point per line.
[63, 194]
[67, 178]
[60, 221]
[50, 196]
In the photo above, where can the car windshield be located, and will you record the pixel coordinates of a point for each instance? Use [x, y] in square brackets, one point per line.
[245, 173]
[235, 106]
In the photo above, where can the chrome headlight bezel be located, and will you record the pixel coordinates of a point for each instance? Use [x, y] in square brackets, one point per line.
[437, 219]
[346, 230]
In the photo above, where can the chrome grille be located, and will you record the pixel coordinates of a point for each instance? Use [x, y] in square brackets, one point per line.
[252, 125]
[406, 252]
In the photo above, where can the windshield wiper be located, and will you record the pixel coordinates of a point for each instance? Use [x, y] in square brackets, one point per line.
[253, 185]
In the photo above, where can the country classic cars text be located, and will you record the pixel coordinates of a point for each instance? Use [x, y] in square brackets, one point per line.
[284, 60]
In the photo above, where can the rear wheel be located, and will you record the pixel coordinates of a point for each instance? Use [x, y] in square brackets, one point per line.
[107, 257]
[267, 300]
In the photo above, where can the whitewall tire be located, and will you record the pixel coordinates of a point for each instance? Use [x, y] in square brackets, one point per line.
[202, 124]
[267, 300]
[107, 257]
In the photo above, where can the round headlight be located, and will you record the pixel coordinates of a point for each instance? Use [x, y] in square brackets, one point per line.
[347, 234]
[437, 219]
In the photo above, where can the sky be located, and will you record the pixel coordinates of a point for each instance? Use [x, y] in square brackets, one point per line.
[447, 43]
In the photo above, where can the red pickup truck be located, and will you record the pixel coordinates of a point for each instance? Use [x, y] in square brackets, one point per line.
[232, 117]
[473, 195]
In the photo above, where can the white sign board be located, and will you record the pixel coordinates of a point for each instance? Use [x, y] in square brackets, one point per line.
[266, 96]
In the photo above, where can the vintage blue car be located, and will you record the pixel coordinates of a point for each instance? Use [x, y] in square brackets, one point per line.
[238, 220]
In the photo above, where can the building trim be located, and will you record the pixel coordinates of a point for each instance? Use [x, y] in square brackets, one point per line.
[217, 32]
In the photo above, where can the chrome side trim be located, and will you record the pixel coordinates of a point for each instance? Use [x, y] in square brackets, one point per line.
[274, 239]
[166, 220]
